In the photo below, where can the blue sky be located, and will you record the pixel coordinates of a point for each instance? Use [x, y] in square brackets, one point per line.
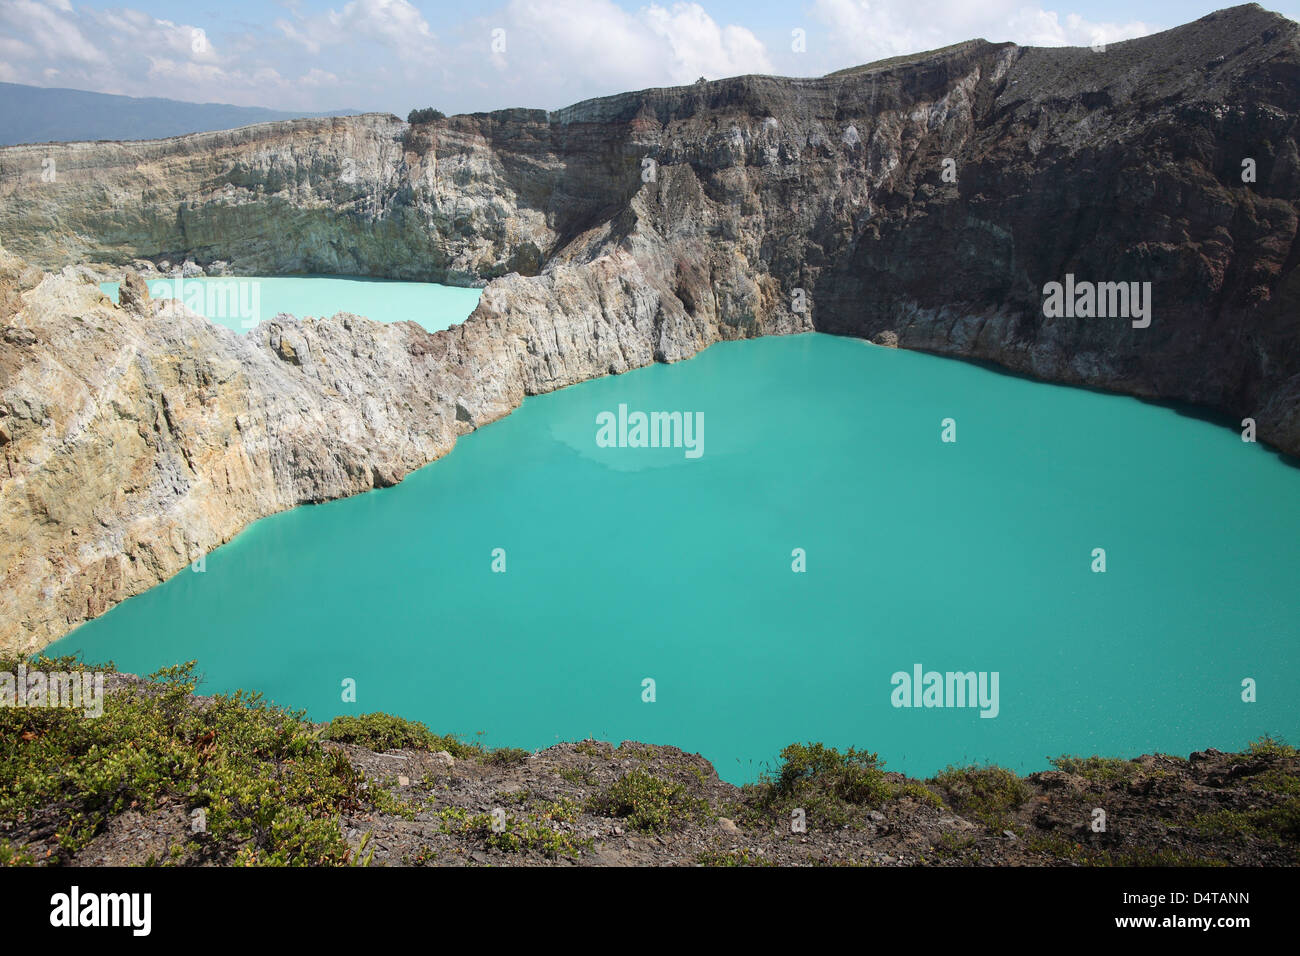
[395, 54]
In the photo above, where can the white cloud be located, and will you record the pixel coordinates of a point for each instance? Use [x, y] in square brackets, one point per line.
[699, 47]
[319, 78]
[396, 25]
[863, 30]
[297, 36]
[49, 27]
[385, 54]
[11, 49]
[1037, 27]
[134, 54]
[561, 51]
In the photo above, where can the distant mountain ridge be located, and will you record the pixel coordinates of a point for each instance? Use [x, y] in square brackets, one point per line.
[38, 114]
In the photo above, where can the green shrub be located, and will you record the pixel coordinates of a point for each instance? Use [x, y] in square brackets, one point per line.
[381, 732]
[832, 788]
[534, 831]
[988, 794]
[504, 756]
[11, 857]
[426, 115]
[581, 776]
[1269, 746]
[647, 802]
[733, 857]
[271, 793]
[385, 732]
[854, 777]
[1098, 769]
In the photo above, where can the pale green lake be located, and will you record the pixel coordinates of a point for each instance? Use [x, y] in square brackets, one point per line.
[241, 303]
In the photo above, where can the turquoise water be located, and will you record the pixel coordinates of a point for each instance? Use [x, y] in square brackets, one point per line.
[631, 563]
[240, 303]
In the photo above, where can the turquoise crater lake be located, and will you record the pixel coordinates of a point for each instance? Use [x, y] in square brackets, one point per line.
[630, 563]
[240, 303]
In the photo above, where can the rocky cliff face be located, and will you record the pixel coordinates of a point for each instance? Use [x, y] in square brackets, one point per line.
[926, 200]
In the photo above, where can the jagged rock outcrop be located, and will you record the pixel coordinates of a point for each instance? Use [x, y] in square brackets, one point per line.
[133, 294]
[620, 231]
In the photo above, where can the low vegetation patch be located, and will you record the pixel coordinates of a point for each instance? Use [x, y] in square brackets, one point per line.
[737, 857]
[988, 794]
[647, 802]
[579, 776]
[957, 848]
[538, 830]
[832, 788]
[1062, 849]
[269, 792]
[1099, 769]
[1277, 824]
[263, 786]
[385, 732]
[426, 115]
[505, 756]
[1270, 746]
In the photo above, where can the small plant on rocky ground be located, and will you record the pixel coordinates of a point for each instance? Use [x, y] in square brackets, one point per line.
[1098, 769]
[382, 732]
[581, 776]
[12, 857]
[832, 788]
[647, 802]
[385, 732]
[988, 794]
[1277, 824]
[537, 830]
[734, 857]
[505, 756]
[1270, 746]
[953, 848]
[1269, 765]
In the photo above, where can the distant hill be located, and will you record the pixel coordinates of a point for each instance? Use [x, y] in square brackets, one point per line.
[37, 114]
